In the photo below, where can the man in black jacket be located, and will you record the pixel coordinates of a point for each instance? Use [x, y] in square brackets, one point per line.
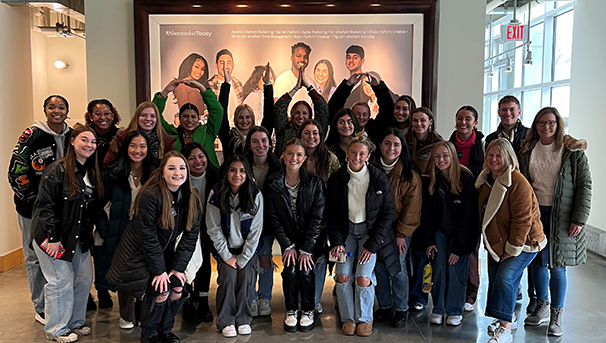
[511, 126]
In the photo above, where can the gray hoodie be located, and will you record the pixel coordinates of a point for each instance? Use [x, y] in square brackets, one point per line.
[59, 137]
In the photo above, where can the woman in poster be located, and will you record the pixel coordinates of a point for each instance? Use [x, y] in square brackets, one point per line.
[193, 68]
[324, 75]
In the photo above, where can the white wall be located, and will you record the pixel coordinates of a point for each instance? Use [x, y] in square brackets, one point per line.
[17, 106]
[587, 89]
[110, 53]
[461, 60]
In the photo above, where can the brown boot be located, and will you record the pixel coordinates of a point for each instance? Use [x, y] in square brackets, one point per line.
[364, 329]
[348, 328]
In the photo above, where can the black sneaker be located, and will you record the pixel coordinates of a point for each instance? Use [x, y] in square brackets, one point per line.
[91, 305]
[169, 338]
[399, 319]
[383, 315]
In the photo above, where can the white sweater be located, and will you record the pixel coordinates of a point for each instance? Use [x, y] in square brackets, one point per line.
[357, 188]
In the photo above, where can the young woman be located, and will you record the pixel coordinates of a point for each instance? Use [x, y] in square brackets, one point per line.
[203, 177]
[25, 174]
[149, 263]
[362, 228]
[121, 184]
[299, 113]
[449, 228]
[104, 118]
[402, 109]
[144, 120]
[190, 129]
[343, 128]
[512, 233]
[470, 152]
[324, 76]
[193, 68]
[556, 166]
[62, 232]
[234, 218]
[235, 140]
[295, 206]
[405, 182]
[264, 163]
[422, 137]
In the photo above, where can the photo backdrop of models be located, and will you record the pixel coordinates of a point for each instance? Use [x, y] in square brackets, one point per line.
[192, 51]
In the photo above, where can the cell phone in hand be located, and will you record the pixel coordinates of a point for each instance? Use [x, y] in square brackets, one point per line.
[44, 247]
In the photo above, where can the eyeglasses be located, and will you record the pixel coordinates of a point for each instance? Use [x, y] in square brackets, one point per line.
[550, 123]
[99, 114]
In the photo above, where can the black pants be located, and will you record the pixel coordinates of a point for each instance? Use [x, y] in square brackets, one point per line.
[297, 282]
[201, 283]
[160, 317]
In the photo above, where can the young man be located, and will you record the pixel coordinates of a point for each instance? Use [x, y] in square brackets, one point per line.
[511, 126]
[299, 59]
[236, 94]
[354, 60]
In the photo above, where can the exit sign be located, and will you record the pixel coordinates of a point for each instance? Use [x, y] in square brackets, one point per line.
[513, 32]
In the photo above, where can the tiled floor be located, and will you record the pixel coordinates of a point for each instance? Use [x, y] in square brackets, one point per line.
[584, 317]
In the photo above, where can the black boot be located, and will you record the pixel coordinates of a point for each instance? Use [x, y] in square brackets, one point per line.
[105, 300]
[190, 313]
[204, 313]
[151, 313]
[168, 319]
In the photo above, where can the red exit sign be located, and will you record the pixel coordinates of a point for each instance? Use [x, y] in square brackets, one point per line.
[514, 32]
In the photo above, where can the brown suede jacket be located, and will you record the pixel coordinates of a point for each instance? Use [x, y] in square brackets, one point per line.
[406, 196]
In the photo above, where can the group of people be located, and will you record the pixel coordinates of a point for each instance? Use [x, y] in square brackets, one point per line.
[377, 197]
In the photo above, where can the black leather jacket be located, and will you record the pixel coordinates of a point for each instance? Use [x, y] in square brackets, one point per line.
[302, 229]
[62, 217]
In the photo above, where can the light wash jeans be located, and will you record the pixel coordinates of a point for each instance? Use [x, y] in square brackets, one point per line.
[34, 274]
[392, 291]
[66, 291]
[356, 309]
[320, 271]
[449, 281]
[266, 276]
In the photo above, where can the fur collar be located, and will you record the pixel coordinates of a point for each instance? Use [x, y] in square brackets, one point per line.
[569, 143]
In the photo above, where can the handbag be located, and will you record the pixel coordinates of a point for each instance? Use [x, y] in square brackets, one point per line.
[195, 262]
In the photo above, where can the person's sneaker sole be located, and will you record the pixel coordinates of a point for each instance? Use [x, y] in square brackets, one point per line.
[72, 337]
[289, 328]
[82, 330]
[40, 319]
[307, 328]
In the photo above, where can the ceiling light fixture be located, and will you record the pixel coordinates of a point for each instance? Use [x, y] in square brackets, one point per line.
[242, 6]
[375, 5]
[330, 5]
[61, 64]
[491, 71]
[528, 60]
[196, 6]
[508, 67]
[285, 5]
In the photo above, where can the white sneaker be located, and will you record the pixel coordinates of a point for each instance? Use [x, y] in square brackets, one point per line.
[264, 307]
[306, 323]
[290, 322]
[125, 324]
[492, 328]
[229, 331]
[65, 338]
[244, 329]
[82, 330]
[468, 307]
[435, 318]
[501, 335]
[40, 318]
[254, 308]
[454, 320]
[318, 309]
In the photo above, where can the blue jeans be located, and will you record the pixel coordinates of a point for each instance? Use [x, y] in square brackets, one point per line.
[449, 281]
[392, 291]
[66, 291]
[419, 260]
[34, 274]
[356, 309]
[503, 280]
[541, 272]
[320, 271]
[266, 276]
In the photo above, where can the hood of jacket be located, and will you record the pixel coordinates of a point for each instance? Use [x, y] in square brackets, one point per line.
[569, 143]
[59, 137]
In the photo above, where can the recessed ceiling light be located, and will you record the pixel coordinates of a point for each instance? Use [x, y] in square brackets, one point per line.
[285, 5]
[241, 6]
[330, 5]
[375, 5]
[196, 6]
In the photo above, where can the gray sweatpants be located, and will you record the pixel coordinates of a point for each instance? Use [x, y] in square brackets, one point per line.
[234, 293]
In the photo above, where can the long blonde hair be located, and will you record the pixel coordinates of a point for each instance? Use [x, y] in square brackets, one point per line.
[166, 219]
[454, 172]
[239, 136]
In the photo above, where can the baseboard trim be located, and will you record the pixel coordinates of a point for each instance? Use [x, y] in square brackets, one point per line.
[11, 260]
[596, 240]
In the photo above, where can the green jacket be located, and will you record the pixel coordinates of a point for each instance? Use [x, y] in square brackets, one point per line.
[571, 202]
[203, 134]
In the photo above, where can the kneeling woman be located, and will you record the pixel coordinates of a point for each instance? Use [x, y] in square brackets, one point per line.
[62, 224]
[512, 231]
[295, 206]
[149, 263]
[362, 229]
[234, 218]
[449, 226]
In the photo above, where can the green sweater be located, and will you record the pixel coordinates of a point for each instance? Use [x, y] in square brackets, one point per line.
[203, 134]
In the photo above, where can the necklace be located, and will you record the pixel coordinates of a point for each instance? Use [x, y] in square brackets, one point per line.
[261, 167]
[135, 177]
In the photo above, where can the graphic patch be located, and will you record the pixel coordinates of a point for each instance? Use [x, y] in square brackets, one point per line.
[38, 164]
[25, 135]
[18, 168]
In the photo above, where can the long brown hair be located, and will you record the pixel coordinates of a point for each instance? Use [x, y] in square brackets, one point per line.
[91, 164]
[532, 136]
[322, 154]
[134, 124]
[166, 219]
[454, 172]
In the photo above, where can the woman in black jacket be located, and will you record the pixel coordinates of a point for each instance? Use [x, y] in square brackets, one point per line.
[449, 228]
[104, 118]
[148, 263]
[62, 224]
[295, 206]
[121, 184]
[362, 228]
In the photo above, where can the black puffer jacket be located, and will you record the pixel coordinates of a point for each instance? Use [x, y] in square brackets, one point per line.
[302, 230]
[379, 214]
[62, 217]
[144, 246]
